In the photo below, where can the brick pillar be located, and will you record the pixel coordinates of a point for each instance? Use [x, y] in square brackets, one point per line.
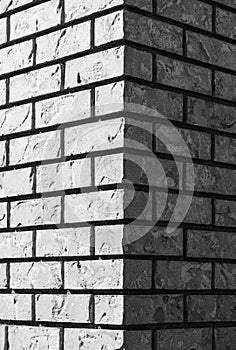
[103, 105]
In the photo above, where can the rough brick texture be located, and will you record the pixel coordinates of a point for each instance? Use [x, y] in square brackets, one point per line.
[87, 88]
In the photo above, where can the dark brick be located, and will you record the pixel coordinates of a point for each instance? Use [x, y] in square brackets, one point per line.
[225, 338]
[183, 75]
[184, 339]
[168, 104]
[230, 3]
[226, 23]
[211, 115]
[225, 149]
[192, 12]
[142, 4]
[209, 50]
[225, 276]
[225, 213]
[151, 32]
[225, 86]
[182, 275]
[212, 308]
[148, 309]
[211, 244]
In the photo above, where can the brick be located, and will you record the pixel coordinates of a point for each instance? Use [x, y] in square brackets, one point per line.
[211, 115]
[225, 276]
[183, 75]
[63, 43]
[109, 169]
[168, 104]
[225, 149]
[35, 275]
[15, 307]
[63, 109]
[93, 338]
[16, 57]
[16, 182]
[141, 4]
[16, 244]
[35, 19]
[188, 11]
[2, 336]
[109, 98]
[109, 240]
[230, 3]
[63, 242]
[36, 147]
[177, 141]
[3, 30]
[74, 10]
[184, 339]
[3, 92]
[226, 23]
[27, 337]
[109, 309]
[65, 175]
[211, 179]
[153, 33]
[15, 119]
[182, 275]
[137, 274]
[225, 86]
[95, 67]
[210, 50]
[62, 308]
[3, 276]
[109, 28]
[7, 5]
[209, 308]
[3, 215]
[138, 63]
[211, 244]
[96, 274]
[35, 83]
[41, 211]
[2, 153]
[225, 213]
[152, 309]
[225, 338]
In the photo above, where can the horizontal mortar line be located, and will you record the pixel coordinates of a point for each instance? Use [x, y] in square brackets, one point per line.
[57, 61]
[159, 224]
[125, 327]
[23, 7]
[179, 24]
[59, 26]
[123, 256]
[178, 57]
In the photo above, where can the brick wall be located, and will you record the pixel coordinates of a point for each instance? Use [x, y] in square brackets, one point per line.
[77, 271]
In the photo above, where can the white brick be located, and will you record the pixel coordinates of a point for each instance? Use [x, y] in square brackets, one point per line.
[63, 109]
[2, 92]
[16, 244]
[109, 240]
[16, 57]
[2, 337]
[109, 309]
[3, 276]
[35, 275]
[93, 339]
[41, 211]
[15, 119]
[6, 5]
[64, 242]
[3, 30]
[102, 135]
[63, 308]
[94, 206]
[35, 19]
[3, 215]
[79, 8]
[62, 176]
[16, 182]
[109, 98]
[96, 274]
[36, 147]
[40, 338]
[35, 83]
[63, 43]
[109, 169]
[2, 153]
[15, 307]
[109, 28]
[95, 67]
